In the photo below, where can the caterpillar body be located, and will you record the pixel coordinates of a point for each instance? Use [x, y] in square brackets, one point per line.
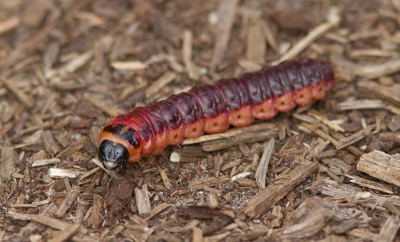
[212, 109]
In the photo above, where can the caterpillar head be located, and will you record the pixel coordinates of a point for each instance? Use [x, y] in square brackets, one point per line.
[117, 145]
[112, 154]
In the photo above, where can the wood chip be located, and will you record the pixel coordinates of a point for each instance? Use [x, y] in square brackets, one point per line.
[59, 173]
[43, 219]
[74, 147]
[262, 169]
[45, 162]
[388, 93]
[381, 165]
[66, 234]
[105, 107]
[374, 71]
[354, 137]
[342, 191]
[158, 209]
[8, 25]
[19, 94]
[283, 184]
[142, 200]
[390, 206]
[361, 104]
[210, 137]
[129, 65]
[167, 182]
[95, 218]
[160, 83]
[333, 21]
[113, 174]
[49, 143]
[192, 69]
[370, 184]
[226, 16]
[9, 160]
[314, 216]
[197, 235]
[249, 134]
[256, 47]
[76, 63]
[209, 182]
[389, 229]
[68, 201]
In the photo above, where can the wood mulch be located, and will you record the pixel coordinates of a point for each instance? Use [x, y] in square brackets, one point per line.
[328, 172]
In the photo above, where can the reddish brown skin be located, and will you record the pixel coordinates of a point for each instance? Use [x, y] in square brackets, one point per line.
[212, 109]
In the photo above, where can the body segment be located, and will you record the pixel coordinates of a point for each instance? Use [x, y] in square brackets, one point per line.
[212, 109]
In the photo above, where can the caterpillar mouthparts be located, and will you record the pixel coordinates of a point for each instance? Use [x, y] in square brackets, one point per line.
[212, 109]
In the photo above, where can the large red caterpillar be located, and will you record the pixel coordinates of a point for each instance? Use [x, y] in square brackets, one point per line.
[211, 109]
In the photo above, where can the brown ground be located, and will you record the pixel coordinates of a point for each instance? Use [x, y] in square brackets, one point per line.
[65, 71]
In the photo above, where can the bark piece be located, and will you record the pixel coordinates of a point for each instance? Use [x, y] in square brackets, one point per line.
[345, 226]
[256, 41]
[49, 143]
[381, 165]
[261, 172]
[333, 20]
[45, 162]
[95, 218]
[192, 69]
[247, 136]
[370, 184]
[389, 229]
[384, 142]
[313, 217]
[142, 199]
[74, 147]
[9, 24]
[8, 162]
[354, 194]
[43, 219]
[68, 201]
[226, 15]
[158, 209]
[66, 234]
[283, 184]
[389, 93]
[119, 196]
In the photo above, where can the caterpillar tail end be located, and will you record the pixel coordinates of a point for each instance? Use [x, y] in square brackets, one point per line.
[112, 155]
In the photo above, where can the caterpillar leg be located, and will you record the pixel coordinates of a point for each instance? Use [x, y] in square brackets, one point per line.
[241, 117]
[265, 110]
[285, 102]
[319, 91]
[217, 124]
[175, 136]
[303, 96]
[195, 129]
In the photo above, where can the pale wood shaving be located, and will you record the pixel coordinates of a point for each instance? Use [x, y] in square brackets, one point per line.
[333, 20]
[226, 15]
[261, 172]
[9, 24]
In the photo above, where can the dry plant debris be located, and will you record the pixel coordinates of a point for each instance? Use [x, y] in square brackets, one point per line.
[326, 172]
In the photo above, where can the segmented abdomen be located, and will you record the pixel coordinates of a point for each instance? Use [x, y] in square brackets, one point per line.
[211, 109]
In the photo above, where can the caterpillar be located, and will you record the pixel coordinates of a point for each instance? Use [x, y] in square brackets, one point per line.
[212, 109]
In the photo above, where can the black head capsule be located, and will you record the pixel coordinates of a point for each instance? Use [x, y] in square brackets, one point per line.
[112, 155]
